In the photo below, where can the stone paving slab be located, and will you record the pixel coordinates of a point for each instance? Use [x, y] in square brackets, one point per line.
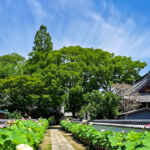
[59, 142]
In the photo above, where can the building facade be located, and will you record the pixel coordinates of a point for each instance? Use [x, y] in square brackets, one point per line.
[136, 100]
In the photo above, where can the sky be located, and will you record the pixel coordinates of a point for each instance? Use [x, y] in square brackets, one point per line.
[118, 26]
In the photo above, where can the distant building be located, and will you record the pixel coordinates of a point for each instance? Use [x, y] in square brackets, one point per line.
[136, 99]
[143, 113]
[128, 102]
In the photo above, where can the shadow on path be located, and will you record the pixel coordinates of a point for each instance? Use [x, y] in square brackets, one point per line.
[58, 141]
[55, 127]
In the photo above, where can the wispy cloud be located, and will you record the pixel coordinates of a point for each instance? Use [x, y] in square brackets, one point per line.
[37, 9]
[88, 23]
[111, 32]
[121, 36]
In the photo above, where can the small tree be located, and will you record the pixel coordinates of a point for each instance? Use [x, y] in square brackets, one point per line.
[101, 104]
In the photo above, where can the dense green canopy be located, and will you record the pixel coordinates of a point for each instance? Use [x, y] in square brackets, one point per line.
[76, 77]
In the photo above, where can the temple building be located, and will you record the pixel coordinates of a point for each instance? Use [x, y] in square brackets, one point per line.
[135, 102]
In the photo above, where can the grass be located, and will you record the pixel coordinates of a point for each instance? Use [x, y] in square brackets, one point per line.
[46, 143]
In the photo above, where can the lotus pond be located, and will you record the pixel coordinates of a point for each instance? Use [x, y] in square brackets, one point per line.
[117, 129]
[106, 139]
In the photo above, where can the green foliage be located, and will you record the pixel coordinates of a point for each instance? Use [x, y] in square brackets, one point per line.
[100, 105]
[74, 100]
[80, 71]
[42, 47]
[24, 94]
[127, 70]
[52, 120]
[11, 64]
[22, 132]
[110, 105]
[66, 76]
[30, 95]
[13, 115]
[42, 41]
[107, 139]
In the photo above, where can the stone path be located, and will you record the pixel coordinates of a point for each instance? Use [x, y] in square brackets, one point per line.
[59, 142]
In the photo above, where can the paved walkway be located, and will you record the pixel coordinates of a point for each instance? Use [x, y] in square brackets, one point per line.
[59, 142]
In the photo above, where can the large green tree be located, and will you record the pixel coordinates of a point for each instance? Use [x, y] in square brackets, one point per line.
[21, 93]
[67, 75]
[82, 70]
[31, 95]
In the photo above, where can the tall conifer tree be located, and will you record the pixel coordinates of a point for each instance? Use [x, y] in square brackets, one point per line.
[42, 40]
[42, 47]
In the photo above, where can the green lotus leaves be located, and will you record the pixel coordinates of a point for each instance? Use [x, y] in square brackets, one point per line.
[104, 139]
[22, 132]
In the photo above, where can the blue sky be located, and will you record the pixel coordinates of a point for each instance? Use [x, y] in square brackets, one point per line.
[119, 26]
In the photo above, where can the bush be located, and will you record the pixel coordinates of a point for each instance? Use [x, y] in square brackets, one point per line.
[13, 115]
[52, 120]
[100, 105]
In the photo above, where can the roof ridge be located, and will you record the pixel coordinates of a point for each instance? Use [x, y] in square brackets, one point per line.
[139, 84]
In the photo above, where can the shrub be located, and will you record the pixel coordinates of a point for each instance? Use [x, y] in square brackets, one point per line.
[14, 115]
[52, 120]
